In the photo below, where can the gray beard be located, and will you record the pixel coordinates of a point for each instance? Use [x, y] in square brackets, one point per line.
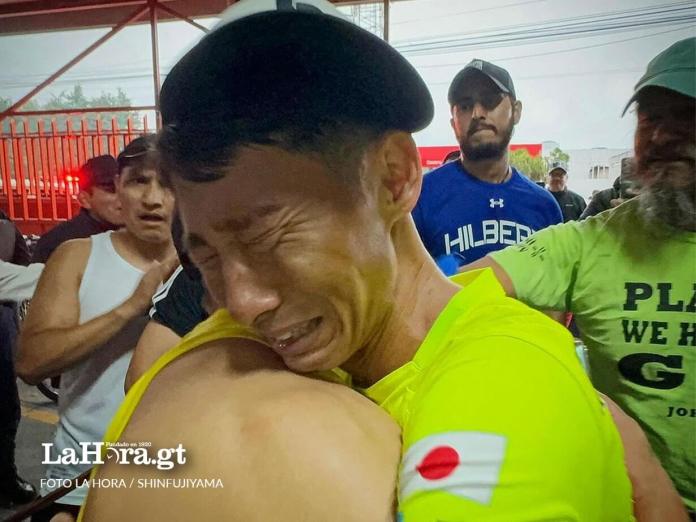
[674, 207]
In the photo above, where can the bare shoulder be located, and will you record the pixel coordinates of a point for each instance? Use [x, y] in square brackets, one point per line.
[70, 257]
[55, 302]
[72, 248]
[240, 414]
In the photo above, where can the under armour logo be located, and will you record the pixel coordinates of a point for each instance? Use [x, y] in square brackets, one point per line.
[478, 64]
[496, 203]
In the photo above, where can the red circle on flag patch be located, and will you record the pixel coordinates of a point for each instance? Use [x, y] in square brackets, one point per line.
[440, 462]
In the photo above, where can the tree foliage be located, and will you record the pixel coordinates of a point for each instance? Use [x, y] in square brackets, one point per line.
[558, 156]
[533, 167]
[75, 98]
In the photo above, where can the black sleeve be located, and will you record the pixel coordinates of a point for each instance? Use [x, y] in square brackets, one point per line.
[582, 205]
[21, 251]
[599, 203]
[178, 304]
[44, 248]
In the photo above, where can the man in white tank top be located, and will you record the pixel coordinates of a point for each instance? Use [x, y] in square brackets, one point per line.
[89, 310]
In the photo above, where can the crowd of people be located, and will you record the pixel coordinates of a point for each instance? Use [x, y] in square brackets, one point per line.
[335, 336]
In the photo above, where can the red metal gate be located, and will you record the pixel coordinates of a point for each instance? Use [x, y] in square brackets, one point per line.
[40, 160]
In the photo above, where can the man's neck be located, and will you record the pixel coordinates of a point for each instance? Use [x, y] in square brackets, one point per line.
[490, 171]
[141, 253]
[422, 292]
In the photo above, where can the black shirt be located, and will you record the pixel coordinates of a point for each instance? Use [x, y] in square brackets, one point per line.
[571, 204]
[600, 202]
[82, 225]
[178, 304]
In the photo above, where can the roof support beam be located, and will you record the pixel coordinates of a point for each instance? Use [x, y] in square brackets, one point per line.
[132, 17]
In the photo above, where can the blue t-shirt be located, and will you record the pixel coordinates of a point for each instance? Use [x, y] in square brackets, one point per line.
[459, 216]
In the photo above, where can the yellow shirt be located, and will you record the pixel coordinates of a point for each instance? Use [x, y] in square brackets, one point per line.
[500, 422]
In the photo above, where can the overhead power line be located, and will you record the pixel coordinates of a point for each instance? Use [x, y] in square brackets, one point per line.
[555, 30]
[594, 17]
[472, 11]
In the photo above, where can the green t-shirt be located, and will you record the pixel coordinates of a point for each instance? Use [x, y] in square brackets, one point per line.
[631, 286]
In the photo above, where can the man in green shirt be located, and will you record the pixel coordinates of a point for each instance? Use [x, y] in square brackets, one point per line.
[629, 275]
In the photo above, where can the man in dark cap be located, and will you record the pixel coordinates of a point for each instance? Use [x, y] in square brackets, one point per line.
[572, 204]
[297, 211]
[101, 210]
[480, 203]
[628, 275]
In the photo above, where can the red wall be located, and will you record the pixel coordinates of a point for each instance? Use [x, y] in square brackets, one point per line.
[432, 157]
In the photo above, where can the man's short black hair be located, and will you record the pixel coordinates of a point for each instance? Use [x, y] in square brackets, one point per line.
[202, 156]
[139, 153]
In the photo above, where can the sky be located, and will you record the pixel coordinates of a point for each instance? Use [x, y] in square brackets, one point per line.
[573, 89]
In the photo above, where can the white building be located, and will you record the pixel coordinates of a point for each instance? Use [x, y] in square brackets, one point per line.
[594, 169]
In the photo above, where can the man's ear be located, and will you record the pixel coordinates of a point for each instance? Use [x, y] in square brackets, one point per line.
[516, 111]
[401, 175]
[84, 198]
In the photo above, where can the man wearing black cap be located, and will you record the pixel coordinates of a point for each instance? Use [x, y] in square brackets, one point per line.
[100, 212]
[572, 204]
[480, 203]
[629, 274]
[296, 210]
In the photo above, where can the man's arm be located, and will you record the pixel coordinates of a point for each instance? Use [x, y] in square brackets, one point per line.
[541, 271]
[499, 271]
[176, 310]
[284, 446]
[52, 339]
[506, 283]
[654, 496]
[155, 340]
[17, 282]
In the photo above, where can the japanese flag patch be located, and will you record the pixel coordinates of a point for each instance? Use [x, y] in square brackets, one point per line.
[464, 463]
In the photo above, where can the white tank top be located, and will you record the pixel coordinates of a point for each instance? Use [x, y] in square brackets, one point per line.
[92, 390]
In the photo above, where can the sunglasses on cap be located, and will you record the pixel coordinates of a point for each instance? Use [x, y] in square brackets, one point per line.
[488, 100]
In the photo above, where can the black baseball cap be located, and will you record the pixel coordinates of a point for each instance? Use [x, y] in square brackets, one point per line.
[293, 60]
[498, 76]
[100, 172]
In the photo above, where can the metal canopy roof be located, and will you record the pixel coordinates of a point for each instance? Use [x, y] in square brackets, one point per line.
[32, 16]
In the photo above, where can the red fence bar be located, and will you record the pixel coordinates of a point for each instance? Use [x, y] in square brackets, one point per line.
[47, 171]
[20, 177]
[39, 167]
[34, 189]
[6, 178]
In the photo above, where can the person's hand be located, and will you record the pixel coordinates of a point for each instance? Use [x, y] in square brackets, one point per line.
[616, 202]
[62, 517]
[158, 272]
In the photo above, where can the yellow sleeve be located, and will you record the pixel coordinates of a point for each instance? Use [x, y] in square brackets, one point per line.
[501, 430]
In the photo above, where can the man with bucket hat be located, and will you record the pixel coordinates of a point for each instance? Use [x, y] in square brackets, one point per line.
[629, 274]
